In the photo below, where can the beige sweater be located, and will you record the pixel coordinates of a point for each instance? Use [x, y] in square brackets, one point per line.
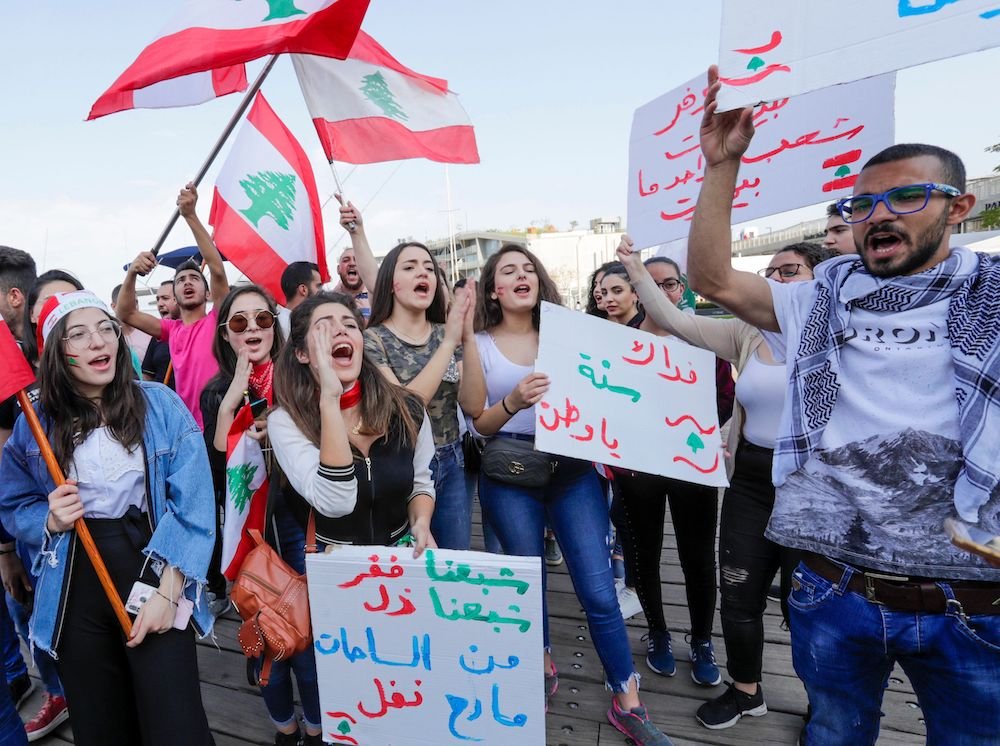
[731, 339]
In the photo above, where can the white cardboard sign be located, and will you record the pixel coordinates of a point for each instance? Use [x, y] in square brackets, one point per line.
[806, 150]
[788, 47]
[442, 649]
[625, 397]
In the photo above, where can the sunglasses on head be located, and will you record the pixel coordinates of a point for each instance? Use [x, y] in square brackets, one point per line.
[239, 322]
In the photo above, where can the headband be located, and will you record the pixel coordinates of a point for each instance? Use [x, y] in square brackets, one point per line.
[59, 306]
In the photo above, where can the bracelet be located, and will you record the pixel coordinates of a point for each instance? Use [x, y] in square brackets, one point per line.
[503, 403]
[165, 598]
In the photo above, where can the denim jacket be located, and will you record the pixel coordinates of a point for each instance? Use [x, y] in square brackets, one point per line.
[180, 504]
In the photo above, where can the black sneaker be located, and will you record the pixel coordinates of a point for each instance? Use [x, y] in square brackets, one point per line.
[726, 710]
[288, 739]
[20, 689]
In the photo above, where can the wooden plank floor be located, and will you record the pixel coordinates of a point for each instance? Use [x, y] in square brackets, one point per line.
[577, 715]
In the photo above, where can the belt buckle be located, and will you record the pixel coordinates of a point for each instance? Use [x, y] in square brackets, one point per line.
[871, 577]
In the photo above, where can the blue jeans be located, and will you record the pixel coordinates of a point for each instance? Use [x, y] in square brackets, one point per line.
[573, 505]
[277, 694]
[11, 728]
[20, 614]
[451, 523]
[844, 647]
[13, 663]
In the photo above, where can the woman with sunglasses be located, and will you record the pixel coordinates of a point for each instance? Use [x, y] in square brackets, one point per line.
[514, 284]
[639, 509]
[747, 559]
[135, 461]
[418, 343]
[247, 342]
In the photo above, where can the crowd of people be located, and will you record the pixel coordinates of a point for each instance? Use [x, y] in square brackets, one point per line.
[857, 378]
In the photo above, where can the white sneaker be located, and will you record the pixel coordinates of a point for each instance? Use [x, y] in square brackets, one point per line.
[628, 600]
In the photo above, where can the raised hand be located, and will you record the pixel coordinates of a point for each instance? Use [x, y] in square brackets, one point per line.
[143, 264]
[320, 341]
[350, 216]
[631, 259]
[187, 200]
[725, 136]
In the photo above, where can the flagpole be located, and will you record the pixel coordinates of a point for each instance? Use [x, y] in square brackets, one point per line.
[451, 228]
[80, 525]
[352, 226]
[230, 126]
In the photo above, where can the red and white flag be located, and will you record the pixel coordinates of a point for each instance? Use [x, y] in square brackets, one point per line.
[212, 34]
[15, 373]
[186, 90]
[265, 209]
[246, 493]
[370, 108]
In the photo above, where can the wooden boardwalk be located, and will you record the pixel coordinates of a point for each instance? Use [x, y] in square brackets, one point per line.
[577, 715]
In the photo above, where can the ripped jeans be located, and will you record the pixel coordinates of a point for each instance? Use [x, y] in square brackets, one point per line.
[748, 561]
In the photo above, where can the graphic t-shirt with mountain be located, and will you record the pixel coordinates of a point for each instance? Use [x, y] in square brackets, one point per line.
[877, 490]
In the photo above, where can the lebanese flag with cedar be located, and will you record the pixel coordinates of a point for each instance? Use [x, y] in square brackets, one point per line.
[265, 209]
[15, 373]
[371, 108]
[187, 90]
[213, 34]
[246, 493]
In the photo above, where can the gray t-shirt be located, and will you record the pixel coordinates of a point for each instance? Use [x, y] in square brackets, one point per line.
[407, 360]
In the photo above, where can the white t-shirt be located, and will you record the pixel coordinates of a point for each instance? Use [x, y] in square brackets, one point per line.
[760, 390]
[502, 376]
[877, 490]
[111, 479]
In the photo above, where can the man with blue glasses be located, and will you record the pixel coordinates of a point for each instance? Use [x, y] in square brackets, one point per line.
[890, 428]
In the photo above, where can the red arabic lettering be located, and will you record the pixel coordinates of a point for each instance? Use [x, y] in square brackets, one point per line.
[684, 417]
[747, 184]
[396, 701]
[636, 347]
[692, 464]
[687, 102]
[775, 41]
[571, 416]
[653, 188]
[604, 438]
[675, 216]
[674, 156]
[676, 375]
[810, 138]
[406, 606]
[758, 76]
[375, 571]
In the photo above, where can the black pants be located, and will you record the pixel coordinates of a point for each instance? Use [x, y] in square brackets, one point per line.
[638, 511]
[748, 561]
[149, 695]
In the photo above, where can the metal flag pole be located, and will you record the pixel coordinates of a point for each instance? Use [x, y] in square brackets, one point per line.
[352, 226]
[230, 126]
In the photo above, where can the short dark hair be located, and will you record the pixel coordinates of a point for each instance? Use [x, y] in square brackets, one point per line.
[811, 253]
[952, 168]
[17, 270]
[832, 211]
[190, 264]
[295, 274]
[665, 260]
[114, 293]
[165, 282]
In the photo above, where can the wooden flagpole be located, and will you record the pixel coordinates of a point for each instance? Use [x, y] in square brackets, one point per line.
[230, 126]
[80, 526]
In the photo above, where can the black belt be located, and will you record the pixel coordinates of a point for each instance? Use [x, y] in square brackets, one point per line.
[908, 593]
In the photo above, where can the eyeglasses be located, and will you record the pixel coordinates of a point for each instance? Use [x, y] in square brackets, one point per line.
[239, 322]
[78, 339]
[784, 270]
[669, 286]
[900, 201]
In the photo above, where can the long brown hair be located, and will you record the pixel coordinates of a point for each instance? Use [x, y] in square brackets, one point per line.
[383, 299]
[488, 310]
[385, 407]
[73, 417]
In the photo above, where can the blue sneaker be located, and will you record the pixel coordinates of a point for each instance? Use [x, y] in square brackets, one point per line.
[659, 655]
[635, 724]
[703, 668]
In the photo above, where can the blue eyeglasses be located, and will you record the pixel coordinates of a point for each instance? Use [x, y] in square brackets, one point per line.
[900, 201]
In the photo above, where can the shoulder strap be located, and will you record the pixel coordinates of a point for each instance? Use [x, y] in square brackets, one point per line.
[311, 547]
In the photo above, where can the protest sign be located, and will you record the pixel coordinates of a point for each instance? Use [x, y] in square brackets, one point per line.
[627, 398]
[442, 649]
[806, 150]
[788, 47]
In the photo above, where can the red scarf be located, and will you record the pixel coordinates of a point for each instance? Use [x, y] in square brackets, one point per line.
[261, 380]
[352, 396]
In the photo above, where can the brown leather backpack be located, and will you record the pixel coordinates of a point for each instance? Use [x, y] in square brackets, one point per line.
[273, 601]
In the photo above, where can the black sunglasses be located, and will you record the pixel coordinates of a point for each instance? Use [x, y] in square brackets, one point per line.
[239, 322]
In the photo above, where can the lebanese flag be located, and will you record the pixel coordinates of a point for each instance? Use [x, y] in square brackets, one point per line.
[266, 210]
[370, 108]
[15, 373]
[187, 90]
[213, 34]
[246, 493]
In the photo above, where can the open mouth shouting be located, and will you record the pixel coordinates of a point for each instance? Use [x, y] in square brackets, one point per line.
[882, 242]
[101, 363]
[522, 290]
[342, 354]
[422, 288]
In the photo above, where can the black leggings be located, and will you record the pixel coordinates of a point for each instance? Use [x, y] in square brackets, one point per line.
[748, 561]
[638, 510]
[119, 696]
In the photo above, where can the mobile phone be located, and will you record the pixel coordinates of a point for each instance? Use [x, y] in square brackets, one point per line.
[258, 408]
[974, 540]
[142, 592]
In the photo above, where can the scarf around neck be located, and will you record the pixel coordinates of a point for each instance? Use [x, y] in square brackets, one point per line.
[971, 284]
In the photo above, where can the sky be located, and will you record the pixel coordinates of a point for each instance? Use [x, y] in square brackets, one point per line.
[550, 87]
